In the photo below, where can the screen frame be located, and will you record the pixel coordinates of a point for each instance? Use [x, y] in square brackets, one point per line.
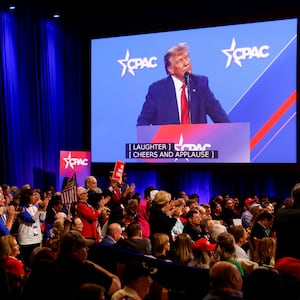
[239, 167]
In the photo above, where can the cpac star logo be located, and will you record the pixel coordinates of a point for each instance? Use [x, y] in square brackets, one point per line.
[180, 144]
[239, 54]
[132, 64]
[71, 162]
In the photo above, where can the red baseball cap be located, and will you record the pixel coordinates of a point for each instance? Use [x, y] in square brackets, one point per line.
[249, 201]
[204, 245]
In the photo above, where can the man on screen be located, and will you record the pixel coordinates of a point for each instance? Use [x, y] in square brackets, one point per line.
[163, 103]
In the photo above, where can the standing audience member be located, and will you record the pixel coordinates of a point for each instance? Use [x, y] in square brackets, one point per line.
[7, 218]
[137, 282]
[94, 192]
[226, 282]
[161, 214]
[55, 206]
[30, 218]
[286, 226]
[144, 211]
[89, 216]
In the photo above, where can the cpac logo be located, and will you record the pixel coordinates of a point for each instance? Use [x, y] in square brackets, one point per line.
[132, 64]
[71, 162]
[239, 54]
[190, 147]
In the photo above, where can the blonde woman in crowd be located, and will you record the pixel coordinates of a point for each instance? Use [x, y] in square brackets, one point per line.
[264, 253]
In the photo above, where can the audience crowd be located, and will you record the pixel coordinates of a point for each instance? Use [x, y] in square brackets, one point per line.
[249, 246]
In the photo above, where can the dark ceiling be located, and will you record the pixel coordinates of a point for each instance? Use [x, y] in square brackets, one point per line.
[112, 18]
[105, 18]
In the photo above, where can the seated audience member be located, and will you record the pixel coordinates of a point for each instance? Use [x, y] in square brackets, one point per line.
[77, 224]
[182, 252]
[192, 226]
[261, 228]
[137, 282]
[228, 212]
[289, 270]
[14, 267]
[134, 241]
[202, 251]
[161, 246]
[77, 270]
[225, 251]
[264, 253]
[246, 216]
[215, 230]
[226, 282]
[240, 237]
[264, 283]
[216, 211]
[113, 234]
[90, 291]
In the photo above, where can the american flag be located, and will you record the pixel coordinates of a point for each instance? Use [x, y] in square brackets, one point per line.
[69, 192]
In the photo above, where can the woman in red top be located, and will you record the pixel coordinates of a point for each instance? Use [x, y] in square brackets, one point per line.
[89, 215]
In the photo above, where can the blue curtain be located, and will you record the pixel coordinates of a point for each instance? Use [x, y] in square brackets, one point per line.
[41, 97]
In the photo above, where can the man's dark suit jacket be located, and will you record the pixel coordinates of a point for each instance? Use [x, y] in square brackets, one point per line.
[160, 107]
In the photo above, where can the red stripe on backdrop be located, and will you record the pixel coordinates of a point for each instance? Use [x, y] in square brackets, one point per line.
[272, 121]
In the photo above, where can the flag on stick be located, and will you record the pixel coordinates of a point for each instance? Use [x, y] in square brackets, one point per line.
[69, 192]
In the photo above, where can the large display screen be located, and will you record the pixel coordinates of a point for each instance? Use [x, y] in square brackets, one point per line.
[251, 70]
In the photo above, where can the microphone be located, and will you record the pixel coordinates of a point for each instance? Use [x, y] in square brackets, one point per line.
[187, 81]
[187, 78]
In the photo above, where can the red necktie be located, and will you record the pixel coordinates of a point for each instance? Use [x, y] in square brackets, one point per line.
[185, 118]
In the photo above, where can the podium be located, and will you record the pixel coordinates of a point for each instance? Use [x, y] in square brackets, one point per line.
[192, 143]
